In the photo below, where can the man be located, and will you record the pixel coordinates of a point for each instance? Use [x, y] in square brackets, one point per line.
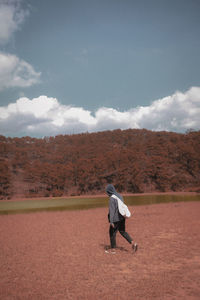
[116, 220]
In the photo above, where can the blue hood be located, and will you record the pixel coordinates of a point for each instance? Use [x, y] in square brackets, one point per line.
[110, 190]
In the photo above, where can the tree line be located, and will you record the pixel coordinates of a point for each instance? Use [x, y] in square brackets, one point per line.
[135, 161]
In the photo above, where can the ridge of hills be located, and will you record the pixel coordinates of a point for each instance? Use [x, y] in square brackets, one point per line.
[134, 160]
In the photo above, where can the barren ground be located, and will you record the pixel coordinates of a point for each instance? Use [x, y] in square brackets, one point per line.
[61, 255]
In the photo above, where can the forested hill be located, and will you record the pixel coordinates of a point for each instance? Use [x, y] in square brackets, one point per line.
[135, 161]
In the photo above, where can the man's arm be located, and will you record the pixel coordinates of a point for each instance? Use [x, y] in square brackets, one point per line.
[111, 210]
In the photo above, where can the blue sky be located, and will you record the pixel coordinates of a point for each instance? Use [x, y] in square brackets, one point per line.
[97, 65]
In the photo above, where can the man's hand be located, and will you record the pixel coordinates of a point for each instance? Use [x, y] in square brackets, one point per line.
[111, 224]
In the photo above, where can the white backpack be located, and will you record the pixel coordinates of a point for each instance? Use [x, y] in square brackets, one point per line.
[123, 208]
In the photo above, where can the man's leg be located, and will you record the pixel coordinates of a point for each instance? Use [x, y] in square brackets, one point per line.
[125, 234]
[123, 231]
[112, 233]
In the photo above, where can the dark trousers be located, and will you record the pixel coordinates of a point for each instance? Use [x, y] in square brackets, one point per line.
[118, 226]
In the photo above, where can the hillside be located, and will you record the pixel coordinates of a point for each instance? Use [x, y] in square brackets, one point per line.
[135, 161]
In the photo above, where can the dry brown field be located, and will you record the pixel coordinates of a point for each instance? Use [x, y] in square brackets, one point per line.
[61, 255]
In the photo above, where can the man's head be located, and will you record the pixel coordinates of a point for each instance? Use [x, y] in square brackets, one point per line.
[110, 190]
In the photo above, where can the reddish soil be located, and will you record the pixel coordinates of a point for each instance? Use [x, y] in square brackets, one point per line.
[61, 255]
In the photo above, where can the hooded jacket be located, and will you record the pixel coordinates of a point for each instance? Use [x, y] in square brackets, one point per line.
[114, 215]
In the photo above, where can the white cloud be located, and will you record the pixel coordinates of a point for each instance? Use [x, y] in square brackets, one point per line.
[11, 17]
[44, 116]
[15, 72]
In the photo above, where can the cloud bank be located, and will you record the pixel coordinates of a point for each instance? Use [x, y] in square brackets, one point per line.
[45, 116]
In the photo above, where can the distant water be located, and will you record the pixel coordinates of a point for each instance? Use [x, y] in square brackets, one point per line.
[155, 199]
[59, 204]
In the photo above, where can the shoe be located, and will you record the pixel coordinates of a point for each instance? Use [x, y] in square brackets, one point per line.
[135, 247]
[110, 251]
